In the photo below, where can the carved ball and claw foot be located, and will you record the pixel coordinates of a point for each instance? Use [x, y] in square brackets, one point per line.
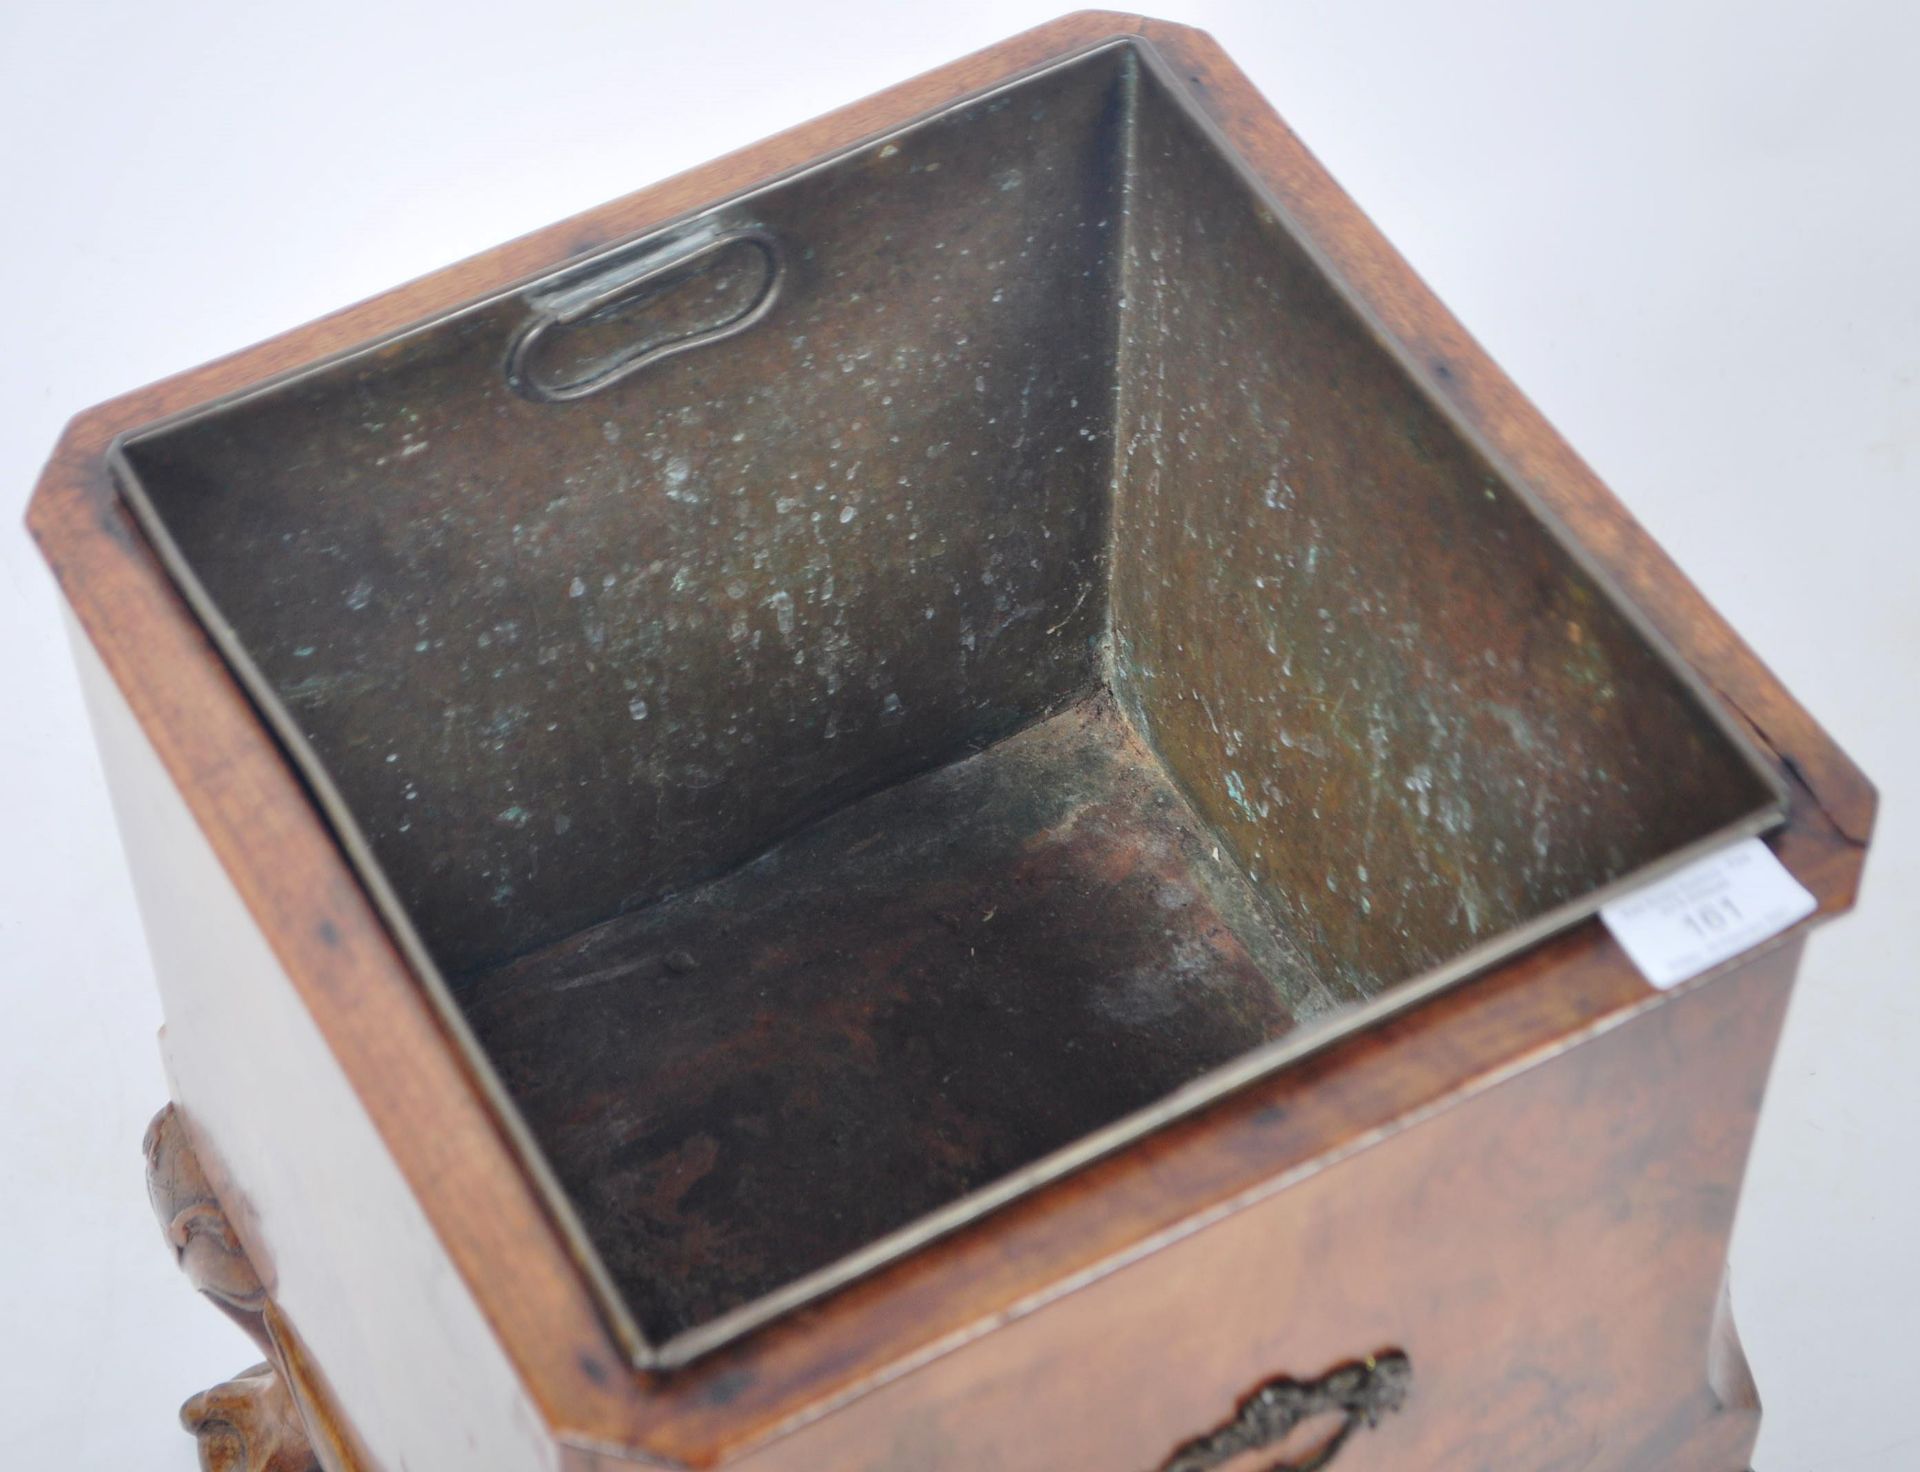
[249, 1423]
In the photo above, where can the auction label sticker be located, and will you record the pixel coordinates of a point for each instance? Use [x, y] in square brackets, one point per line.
[1711, 910]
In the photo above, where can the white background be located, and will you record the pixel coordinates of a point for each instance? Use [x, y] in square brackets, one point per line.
[1690, 230]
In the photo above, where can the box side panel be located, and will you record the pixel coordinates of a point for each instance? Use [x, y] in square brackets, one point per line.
[1548, 1253]
[1413, 715]
[327, 1221]
[560, 659]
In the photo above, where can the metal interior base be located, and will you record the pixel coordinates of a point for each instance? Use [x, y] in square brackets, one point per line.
[919, 995]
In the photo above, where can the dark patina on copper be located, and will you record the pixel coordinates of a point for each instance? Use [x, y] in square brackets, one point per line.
[868, 696]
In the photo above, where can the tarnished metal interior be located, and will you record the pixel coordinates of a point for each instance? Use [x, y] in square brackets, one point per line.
[866, 696]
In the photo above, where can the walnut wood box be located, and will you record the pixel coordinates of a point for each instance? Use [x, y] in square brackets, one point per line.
[933, 798]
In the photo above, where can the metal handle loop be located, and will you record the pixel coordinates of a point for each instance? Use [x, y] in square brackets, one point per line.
[1361, 1393]
[582, 299]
